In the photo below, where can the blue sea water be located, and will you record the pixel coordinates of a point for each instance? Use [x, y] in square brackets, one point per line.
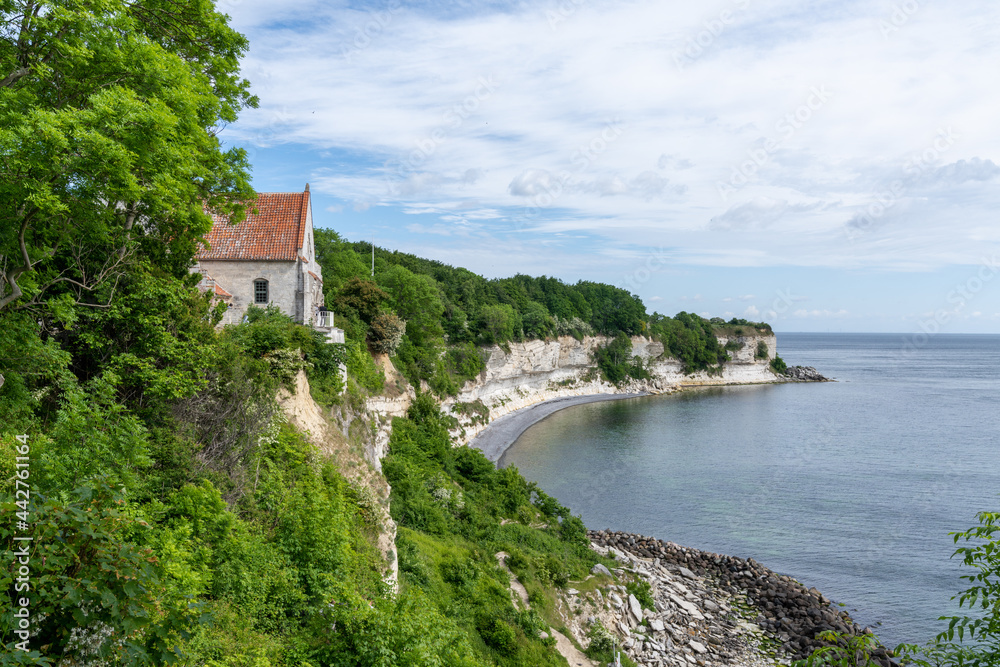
[849, 486]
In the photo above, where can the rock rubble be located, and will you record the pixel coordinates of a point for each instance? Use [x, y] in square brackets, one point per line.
[804, 374]
[713, 609]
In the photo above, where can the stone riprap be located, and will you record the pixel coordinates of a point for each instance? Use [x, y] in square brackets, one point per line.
[696, 595]
[804, 374]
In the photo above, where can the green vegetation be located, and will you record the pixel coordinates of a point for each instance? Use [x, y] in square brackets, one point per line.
[446, 308]
[448, 312]
[978, 635]
[778, 365]
[176, 518]
[456, 511]
[642, 591]
[603, 644]
[616, 362]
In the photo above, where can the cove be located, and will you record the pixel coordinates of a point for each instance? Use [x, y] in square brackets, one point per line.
[851, 487]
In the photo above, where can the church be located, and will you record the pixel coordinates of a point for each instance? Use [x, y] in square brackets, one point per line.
[267, 259]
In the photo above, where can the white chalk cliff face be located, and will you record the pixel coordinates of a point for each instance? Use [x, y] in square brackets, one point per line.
[535, 371]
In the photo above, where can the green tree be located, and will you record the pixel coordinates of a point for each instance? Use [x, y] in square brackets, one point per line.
[386, 333]
[109, 115]
[536, 320]
[361, 296]
[496, 323]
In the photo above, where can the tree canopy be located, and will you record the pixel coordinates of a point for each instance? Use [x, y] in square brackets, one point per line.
[109, 116]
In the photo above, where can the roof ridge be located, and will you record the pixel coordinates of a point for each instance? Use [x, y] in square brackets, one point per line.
[303, 215]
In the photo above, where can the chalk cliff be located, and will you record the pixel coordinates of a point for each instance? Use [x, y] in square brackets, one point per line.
[534, 371]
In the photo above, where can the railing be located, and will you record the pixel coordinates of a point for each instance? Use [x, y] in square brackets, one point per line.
[325, 319]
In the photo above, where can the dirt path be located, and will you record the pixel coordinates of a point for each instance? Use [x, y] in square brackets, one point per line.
[565, 647]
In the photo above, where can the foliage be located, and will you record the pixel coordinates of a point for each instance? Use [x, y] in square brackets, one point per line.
[287, 347]
[842, 651]
[449, 503]
[616, 362]
[690, 339]
[603, 646]
[497, 324]
[642, 591]
[362, 367]
[445, 307]
[778, 365]
[762, 351]
[739, 322]
[93, 593]
[109, 114]
[360, 297]
[978, 635]
[386, 333]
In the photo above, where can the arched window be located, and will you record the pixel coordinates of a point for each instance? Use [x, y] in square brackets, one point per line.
[260, 294]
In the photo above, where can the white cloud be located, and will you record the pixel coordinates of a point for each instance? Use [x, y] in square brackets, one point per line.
[423, 106]
[820, 313]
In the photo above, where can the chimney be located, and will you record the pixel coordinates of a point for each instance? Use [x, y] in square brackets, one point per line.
[307, 187]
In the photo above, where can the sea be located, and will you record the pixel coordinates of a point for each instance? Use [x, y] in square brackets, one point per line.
[850, 486]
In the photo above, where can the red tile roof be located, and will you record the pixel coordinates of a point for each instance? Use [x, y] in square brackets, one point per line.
[276, 231]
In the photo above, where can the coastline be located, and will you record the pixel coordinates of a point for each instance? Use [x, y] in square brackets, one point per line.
[501, 433]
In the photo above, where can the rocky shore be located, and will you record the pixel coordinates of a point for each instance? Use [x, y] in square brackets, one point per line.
[713, 609]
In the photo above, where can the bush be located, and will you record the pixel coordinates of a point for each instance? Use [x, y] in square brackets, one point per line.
[642, 591]
[498, 634]
[386, 333]
[616, 362]
[361, 365]
[762, 350]
[778, 365]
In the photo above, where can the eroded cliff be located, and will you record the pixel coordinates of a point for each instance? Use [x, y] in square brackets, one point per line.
[534, 371]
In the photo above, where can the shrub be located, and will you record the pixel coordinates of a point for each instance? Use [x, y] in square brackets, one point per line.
[386, 333]
[762, 350]
[601, 641]
[498, 634]
[642, 591]
[778, 365]
[361, 365]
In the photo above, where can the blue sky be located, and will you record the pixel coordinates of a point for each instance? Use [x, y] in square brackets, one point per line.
[825, 166]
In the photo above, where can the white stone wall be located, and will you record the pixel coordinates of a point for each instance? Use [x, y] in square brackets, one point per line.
[290, 287]
[236, 277]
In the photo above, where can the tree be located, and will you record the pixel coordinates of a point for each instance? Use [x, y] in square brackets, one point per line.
[614, 309]
[386, 333]
[94, 595]
[361, 296]
[536, 319]
[496, 323]
[109, 115]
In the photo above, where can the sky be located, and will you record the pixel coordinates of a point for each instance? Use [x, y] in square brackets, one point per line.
[823, 166]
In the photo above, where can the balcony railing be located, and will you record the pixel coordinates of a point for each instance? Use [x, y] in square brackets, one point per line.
[324, 319]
